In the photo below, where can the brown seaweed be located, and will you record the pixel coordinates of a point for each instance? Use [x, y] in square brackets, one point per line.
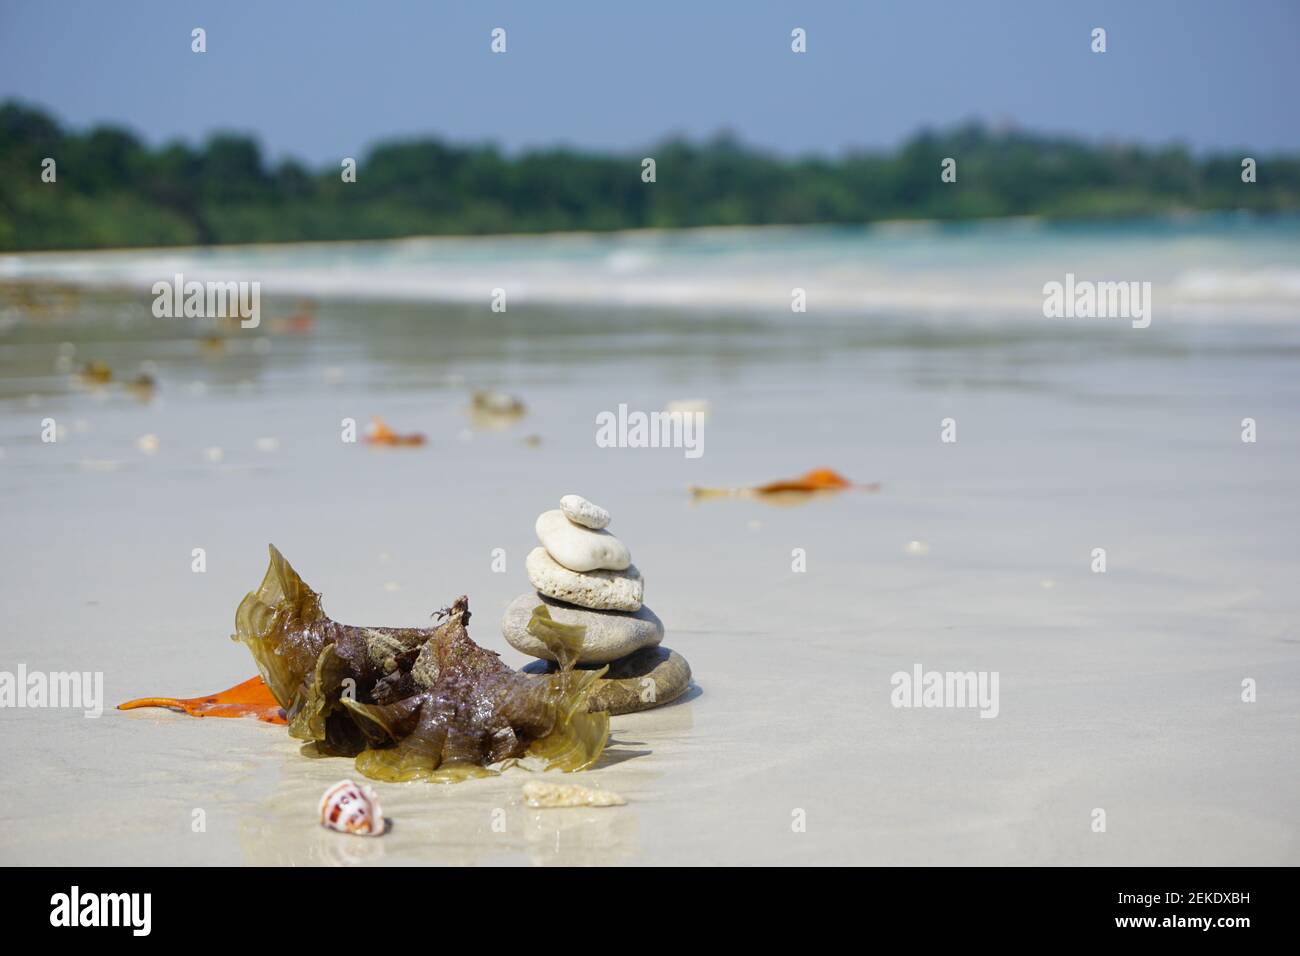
[414, 703]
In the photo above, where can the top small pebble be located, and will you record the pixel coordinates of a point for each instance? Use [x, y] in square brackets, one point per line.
[581, 511]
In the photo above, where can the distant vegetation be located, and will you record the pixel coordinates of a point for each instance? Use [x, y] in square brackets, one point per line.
[113, 190]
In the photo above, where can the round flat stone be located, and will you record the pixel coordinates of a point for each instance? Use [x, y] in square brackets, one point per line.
[581, 511]
[610, 634]
[599, 590]
[648, 678]
[579, 548]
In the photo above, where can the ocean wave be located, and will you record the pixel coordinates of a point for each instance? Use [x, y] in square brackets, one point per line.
[971, 270]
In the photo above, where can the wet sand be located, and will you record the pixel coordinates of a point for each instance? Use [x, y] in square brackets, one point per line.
[1118, 691]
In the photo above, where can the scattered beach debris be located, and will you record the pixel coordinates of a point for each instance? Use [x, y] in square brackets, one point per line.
[353, 808]
[584, 581]
[380, 434]
[212, 345]
[99, 464]
[688, 406]
[214, 454]
[917, 548]
[252, 698]
[788, 490]
[489, 410]
[147, 443]
[547, 795]
[297, 323]
[142, 386]
[95, 373]
[498, 403]
[410, 703]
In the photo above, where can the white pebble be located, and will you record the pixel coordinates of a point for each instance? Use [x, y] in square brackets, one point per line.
[579, 548]
[581, 511]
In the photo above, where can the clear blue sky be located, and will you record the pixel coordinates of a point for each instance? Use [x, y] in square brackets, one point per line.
[319, 79]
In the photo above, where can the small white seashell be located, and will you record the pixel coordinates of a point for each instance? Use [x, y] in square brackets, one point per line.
[147, 443]
[352, 808]
[917, 548]
[538, 794]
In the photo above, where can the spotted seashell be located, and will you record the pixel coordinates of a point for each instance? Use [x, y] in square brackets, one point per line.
[352, 808]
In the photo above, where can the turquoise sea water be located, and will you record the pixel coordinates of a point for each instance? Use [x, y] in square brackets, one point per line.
[1218, 267]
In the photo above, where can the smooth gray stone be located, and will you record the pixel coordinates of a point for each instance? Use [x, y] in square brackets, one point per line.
[610, 634]
[648, 678]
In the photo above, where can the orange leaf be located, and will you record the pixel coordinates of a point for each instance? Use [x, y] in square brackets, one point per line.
[252, 698]
[819, 479]
[381, 434]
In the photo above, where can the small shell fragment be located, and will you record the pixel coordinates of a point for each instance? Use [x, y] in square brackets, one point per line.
[544, 795]
[352, 808]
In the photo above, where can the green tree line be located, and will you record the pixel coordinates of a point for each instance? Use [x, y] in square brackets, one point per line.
[111, 189]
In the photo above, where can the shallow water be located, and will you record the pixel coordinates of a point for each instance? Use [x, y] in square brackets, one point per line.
[1118, 690]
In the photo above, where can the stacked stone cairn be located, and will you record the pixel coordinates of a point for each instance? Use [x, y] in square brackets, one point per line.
[584, 575]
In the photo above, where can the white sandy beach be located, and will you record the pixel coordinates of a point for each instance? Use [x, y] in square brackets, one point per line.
[1119, 691]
